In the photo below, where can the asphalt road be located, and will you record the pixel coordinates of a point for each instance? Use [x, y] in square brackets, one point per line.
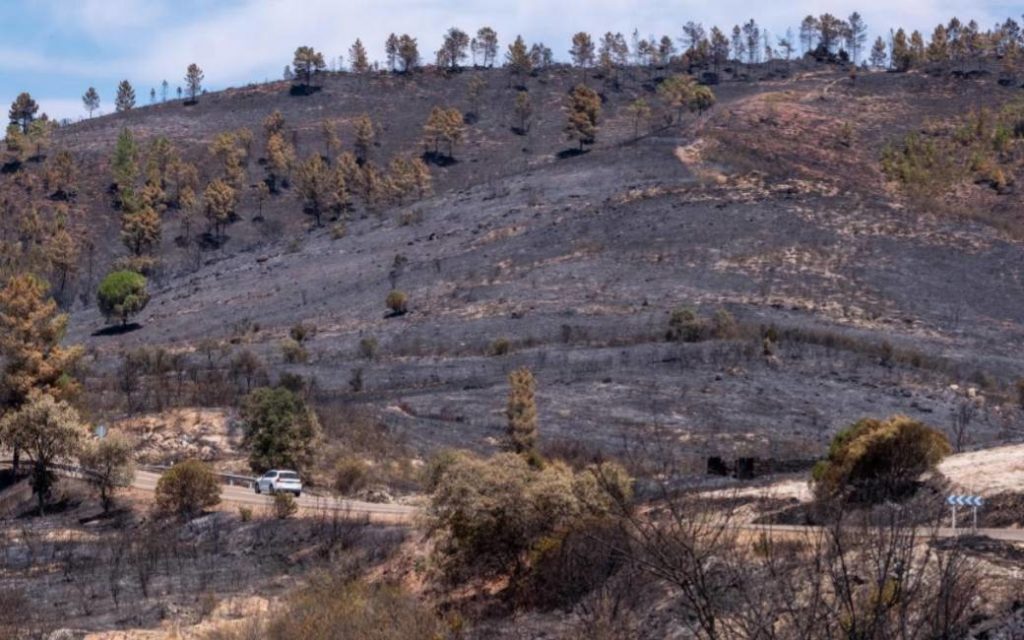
[396, 513]
[1008, 535]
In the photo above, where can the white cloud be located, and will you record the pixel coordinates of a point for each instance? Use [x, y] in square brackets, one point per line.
[108, 21]
[20, 60]
[60, 108]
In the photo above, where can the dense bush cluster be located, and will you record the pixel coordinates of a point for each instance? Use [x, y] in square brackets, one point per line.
[187, 489]
[984, 146]
[492, 512]
[876, 460]
[281, 432]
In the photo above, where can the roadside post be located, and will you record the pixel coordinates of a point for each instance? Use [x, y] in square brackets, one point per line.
[973, 502]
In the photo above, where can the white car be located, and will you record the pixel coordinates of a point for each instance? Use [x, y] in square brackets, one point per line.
[277, 480]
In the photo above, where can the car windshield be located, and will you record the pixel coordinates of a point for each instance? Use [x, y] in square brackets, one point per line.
[289, 475]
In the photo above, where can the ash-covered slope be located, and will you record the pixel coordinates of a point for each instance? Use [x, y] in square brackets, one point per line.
[763, 208]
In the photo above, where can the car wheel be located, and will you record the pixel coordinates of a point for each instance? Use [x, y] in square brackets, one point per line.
[298, 494]
[257, 489]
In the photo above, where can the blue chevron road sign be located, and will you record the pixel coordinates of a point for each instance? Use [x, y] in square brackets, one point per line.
[965, 501]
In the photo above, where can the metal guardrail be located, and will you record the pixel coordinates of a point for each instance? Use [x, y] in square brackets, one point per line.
[229, 479]
[81, 472]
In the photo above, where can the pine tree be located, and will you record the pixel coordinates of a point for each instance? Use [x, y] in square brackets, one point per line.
[878, 53]
[719, 48]
[187, 203]
[307, 62]
[519, 62]
[421, 176]
[140, 229]
[486, 45]
[91, 100]
[408, 53]
[391, 51]
[582, 51]
[62, 250]
[830, 29]
[39, 134]
[273, 123]
[61, 176]
[523, 111]
[280, 157]
[125, 166]
[786, 44]
[641, 112]
[219, 205]
[938, 48]
[194, 82]
[31, 332]
[338, 190]
[583, 112]
[900, 51]
[444, 126]
[23, 111]
[521, 412]
[332, 142]
[313, 186]
[365, 135]
[917, 49]
[227, 148]
[751, 37]
[453, 49]
[474, 91]
[541, 56]
[357, 58]
[808, 32]
[856, 35]
[739, 47]
[677, 91]
[125, 100]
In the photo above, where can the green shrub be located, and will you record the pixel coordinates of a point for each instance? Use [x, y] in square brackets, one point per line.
[280, 431]
[187, 489]
[398, 302]
[685, 326]
[285, 506]
[876, 460]
[245, 513]
[122, 294]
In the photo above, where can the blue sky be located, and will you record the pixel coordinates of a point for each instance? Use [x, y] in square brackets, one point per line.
[55, 49]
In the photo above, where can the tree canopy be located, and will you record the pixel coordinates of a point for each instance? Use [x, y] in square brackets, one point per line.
[122, 294]
[280, 430]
